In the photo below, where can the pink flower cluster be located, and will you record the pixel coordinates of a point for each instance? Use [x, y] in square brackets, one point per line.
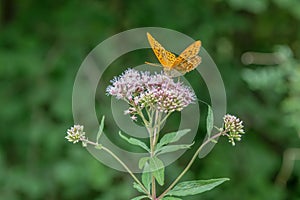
[158, 91]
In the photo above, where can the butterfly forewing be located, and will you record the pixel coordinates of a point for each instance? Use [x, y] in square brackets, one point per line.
[165, 57]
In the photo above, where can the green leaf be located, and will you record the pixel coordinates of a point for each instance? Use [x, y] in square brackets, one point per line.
[171, 137]
[195, 187]
[146, 177]
[101, 127]
[135, 142]
[171, 198]
[138, 187]
[140, 197]
[209, 120]
[171, 148]
[143, 161]
[158, 170]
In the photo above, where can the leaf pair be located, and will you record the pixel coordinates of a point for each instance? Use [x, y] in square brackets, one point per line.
[187, 188]
[152, 167]
[164, 147]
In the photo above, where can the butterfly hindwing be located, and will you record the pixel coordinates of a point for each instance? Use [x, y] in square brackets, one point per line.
[188, 64]
[188, 53]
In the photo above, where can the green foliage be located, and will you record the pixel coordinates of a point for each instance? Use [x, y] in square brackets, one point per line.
[209, 120]
[171, 137]
[280, 85]
[172, 148]
[101, 127]
[171, 198]
[139, 197]
[146, 176]
[135, 142]
[138, 187]
[157, 169]
[195, 187]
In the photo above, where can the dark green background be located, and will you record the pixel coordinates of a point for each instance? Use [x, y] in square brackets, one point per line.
[42, 44]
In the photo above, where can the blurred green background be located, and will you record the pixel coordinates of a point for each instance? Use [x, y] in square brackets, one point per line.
[42, 44]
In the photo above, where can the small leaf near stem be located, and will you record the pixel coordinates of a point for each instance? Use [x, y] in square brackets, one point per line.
[143, 161]
[146, 177]
[171, 137]
[209, 121]
[139, 197]
[171, 198]
[138, 187]
[157, 169]
[135, 141]
[101, 127]
[172, 148]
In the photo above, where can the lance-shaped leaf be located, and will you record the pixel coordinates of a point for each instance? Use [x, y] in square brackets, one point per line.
[171, 148]
[171, 137]
[100, 131]
[138, 187]
[140, 197]
[146, 177]
[209, 121]
[195, 187]
[158, 170]
[143, 161]
[135, 142]
[171, 198]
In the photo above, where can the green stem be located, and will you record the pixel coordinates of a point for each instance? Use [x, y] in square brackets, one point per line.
[165, 118]
[154, 134]
[139, 111]
[122, 163]
[189, 164]
[150, 126]
[156, 129]
[153, 188]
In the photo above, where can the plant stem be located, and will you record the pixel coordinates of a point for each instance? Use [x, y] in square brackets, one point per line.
[122, 163]
[154, 135]
[156, 128]
[165, 118]
[153, 188]
[189, 164]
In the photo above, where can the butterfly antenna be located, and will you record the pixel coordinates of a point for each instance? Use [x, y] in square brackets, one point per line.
[153, 64]
[203, 102]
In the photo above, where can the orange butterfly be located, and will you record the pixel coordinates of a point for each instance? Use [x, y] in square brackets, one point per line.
[185, 62]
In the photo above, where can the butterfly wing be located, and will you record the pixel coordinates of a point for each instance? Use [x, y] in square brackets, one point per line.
[188, 59]
[165, 57]
[188, 64]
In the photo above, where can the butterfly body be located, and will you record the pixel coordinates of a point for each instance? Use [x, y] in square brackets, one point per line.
[185, 62]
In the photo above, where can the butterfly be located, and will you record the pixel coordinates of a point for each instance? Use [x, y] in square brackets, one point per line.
[185, 62]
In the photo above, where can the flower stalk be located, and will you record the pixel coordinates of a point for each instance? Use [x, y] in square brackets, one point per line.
[152, 99]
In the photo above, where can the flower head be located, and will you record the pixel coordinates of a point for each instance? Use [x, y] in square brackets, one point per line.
[75, 134]
[143, 90]
[233, 128]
